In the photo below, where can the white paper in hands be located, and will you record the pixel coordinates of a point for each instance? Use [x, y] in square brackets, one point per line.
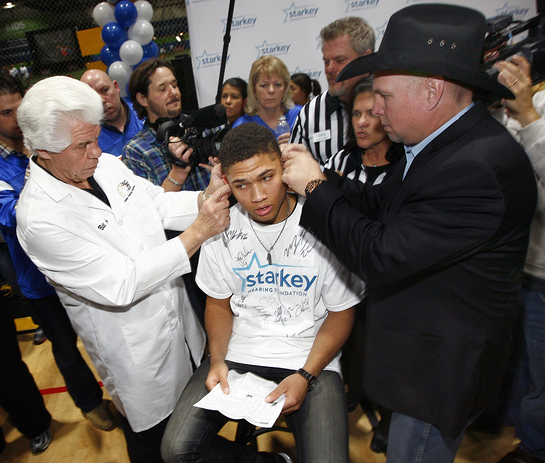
[246, 399]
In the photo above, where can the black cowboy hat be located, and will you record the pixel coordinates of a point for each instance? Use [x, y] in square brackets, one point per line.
[436, 39]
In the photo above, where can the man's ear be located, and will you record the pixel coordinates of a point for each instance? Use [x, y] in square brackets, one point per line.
[44, 154]
[141, 98]
[435, 87]
[116, 86]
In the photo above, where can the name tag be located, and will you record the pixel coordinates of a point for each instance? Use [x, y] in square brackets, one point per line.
[321, 136]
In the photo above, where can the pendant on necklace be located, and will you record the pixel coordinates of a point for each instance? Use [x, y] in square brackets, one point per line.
[269, 258]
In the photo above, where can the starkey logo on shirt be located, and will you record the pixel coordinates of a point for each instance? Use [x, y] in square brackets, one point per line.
[240, 22]
[274, 277]
[296, 13]
[355, 5]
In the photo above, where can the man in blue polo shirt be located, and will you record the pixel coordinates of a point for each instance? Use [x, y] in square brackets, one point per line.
[120, 120]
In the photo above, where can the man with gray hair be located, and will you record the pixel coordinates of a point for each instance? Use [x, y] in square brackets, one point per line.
[96, 231]
[322, 125]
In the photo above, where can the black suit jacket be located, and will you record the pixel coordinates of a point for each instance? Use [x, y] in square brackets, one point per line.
[442, 252]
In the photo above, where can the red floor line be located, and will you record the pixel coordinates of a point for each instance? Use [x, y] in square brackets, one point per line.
[58, 390]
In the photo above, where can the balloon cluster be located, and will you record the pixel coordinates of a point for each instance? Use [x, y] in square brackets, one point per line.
[127, 33]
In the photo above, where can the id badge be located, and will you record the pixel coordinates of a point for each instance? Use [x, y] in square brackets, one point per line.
[321, 136]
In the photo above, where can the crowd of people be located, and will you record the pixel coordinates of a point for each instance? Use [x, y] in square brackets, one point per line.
[400, 222]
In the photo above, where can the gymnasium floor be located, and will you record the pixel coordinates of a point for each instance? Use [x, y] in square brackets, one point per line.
[76, 441]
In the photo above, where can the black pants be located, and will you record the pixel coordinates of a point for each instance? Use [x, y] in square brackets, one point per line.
[19, 395]
[145, 446]
[79, 379]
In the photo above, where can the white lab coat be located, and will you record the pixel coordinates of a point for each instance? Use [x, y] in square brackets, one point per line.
[119, 280]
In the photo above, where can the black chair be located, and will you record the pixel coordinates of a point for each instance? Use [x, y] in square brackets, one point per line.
[247, 433]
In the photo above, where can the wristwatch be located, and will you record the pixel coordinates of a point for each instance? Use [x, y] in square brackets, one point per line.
[311, 185]
[311, 379]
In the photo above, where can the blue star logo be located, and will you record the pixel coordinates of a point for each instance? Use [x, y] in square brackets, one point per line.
[209, 60]
[255, 266]
[240, 22]
[272, 49]
[352, 5]
[287, 11]
[380, 31]
[516, 10]
[300, 12]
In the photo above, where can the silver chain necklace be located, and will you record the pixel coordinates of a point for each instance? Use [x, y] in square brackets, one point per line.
[269, 258]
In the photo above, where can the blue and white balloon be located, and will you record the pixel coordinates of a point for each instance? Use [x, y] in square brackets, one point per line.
[125, 13]
[141, 31]
[151, 50]
[114, 35]
[109, 55]
[103, 14]
[145, 10]
[121, 72]
[131, 52]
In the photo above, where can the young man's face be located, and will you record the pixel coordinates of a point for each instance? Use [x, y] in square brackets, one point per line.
[257, 186]
[9, 128]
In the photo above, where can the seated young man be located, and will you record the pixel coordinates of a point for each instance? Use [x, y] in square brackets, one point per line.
[279, 305]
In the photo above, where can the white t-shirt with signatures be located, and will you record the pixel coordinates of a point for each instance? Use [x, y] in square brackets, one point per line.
[277, 309]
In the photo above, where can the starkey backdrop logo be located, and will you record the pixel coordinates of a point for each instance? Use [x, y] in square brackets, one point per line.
[240, 22]
[207, 60]
[379, 32]
[312, 73]
[272, 49]
[295, 13]
[518, 11]
[355, 5]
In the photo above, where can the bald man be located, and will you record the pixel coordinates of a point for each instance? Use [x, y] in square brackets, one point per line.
[120, 120]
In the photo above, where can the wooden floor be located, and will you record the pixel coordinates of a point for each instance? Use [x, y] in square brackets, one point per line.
[76, 441]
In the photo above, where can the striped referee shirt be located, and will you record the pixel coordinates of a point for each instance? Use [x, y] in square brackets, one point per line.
[322, 126]
[348, 162]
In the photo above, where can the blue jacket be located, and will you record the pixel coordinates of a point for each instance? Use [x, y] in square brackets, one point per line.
[291, 117]
[111, 140]
[13, 166]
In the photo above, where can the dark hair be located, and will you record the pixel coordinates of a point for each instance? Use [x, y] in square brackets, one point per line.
[239, 84]
[246, 141]
[10, 85]
[308, 85]
[366, 86]
[140, 80]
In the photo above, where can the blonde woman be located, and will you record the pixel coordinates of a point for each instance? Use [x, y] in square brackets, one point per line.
[269, 95]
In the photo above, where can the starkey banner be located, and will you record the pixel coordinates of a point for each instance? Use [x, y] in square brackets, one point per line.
[290, 30]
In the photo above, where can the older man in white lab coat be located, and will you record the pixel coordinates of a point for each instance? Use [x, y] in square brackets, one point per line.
[97, 232]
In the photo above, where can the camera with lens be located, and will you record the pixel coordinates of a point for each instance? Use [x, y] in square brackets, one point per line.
[500, 32]
[189, 130]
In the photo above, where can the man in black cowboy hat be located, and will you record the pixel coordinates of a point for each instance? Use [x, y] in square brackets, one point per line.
[442, 244]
